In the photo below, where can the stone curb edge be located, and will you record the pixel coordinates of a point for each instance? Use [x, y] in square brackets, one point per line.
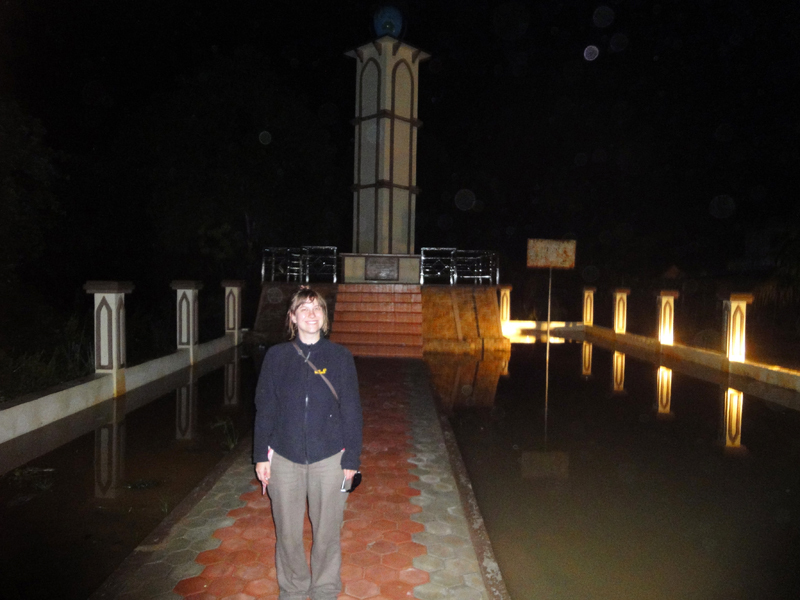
[492, 577]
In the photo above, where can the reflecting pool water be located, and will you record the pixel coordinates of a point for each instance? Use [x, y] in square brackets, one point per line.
[78, 496]
[642, 482]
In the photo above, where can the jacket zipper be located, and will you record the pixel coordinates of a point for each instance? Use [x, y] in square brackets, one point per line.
[305, 415]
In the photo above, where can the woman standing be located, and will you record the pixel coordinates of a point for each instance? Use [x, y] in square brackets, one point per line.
[307, 441]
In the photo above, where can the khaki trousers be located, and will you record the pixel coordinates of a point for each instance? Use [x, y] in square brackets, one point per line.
[290, 485]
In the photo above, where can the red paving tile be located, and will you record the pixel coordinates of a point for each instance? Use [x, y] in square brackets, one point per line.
[261, 587]
[380, 574]
[201, 596]
[191, 585]
[225, 586]
[377, 550]
[397, 590]
[396, 560]
[362, 589]
[220, 569]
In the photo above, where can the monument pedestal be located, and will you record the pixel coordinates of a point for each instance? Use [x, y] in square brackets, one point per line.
[381, 268]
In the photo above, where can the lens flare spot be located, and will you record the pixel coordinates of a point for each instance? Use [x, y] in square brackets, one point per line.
[591, 53]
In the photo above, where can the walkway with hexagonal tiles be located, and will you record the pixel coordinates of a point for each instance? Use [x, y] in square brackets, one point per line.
[405, 534]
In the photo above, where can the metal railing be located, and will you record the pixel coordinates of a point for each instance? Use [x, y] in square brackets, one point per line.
[303, 264]
[449, 265]
[437, 265]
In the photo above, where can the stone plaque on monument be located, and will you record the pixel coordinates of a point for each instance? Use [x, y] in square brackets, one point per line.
[382, 268]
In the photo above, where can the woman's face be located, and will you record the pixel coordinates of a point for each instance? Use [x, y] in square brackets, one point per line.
[309, 319]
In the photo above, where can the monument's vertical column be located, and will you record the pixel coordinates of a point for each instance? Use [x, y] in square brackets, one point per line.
[385, 174]
[386, 123]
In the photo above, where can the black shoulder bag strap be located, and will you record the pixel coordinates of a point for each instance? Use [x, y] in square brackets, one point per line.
[317, 372]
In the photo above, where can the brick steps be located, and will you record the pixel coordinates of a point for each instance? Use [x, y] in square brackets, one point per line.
[384, 327]
[376, 339]
[385, 351]
[378, 297]
[379, 319]
[384, 307]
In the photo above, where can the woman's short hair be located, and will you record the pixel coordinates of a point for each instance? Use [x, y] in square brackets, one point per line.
[301, 296]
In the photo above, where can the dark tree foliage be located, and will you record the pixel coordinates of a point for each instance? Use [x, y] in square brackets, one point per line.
[28, 207]
[231, 161]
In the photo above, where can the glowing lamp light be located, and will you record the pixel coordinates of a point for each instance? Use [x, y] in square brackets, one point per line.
[588, 306]
[735, 317]
[621, 310]
[666, 316]
[505, 304]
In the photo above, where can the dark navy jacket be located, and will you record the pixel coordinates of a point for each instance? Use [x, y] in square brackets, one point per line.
[307, 432]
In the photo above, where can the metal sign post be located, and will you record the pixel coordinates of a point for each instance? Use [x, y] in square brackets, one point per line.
[550, 254]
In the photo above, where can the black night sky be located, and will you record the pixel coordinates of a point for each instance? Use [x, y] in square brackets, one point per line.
[654, 133]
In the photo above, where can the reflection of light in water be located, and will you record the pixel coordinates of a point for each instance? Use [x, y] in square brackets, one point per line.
[591, 53]
[664, 390]
[734, 401]
[465, 380]
[586, 359]
[619, 372]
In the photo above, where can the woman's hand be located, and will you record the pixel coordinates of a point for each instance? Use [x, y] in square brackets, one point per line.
[262, 472]
[349, 473]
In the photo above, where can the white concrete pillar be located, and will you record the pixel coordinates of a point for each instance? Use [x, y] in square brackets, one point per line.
[621, 310]
[666, 316]
[385, 175]
[187, 315]
[586, 360]
[505, 303]
[109, 328]
[735, 310]
[233, 308]
[588, 305]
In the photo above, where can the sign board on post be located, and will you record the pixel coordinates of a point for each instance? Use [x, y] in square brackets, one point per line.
[555, 254]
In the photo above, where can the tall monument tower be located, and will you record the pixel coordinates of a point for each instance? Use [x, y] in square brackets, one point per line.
[385, 174]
